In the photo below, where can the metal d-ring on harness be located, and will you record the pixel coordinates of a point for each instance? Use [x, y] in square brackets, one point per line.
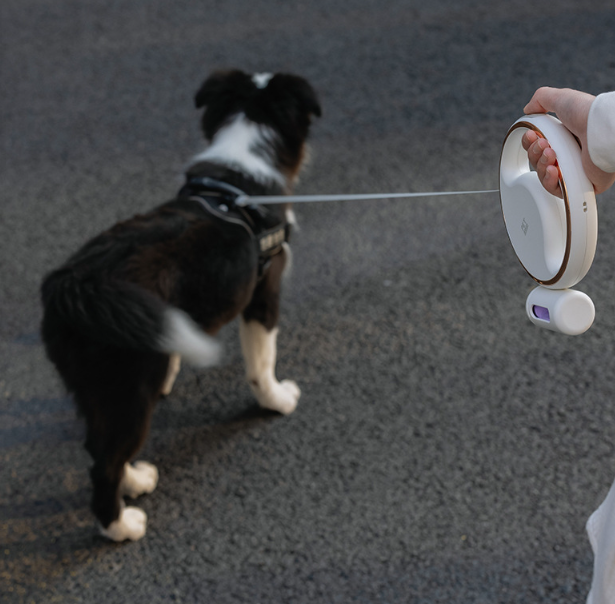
[218, 199]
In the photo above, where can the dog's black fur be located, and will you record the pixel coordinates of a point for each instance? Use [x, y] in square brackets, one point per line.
[106, 323]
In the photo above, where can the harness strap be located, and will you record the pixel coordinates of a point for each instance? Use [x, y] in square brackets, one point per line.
[218, 199]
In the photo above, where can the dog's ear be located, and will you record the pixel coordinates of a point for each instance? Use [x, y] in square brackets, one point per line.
[300, 89]
[217, 84]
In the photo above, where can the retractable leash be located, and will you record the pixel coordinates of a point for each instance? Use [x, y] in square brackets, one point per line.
[554, 239]
[244, 200]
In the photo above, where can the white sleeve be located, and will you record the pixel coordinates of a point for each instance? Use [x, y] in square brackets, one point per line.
[601, 532]
[601, 131]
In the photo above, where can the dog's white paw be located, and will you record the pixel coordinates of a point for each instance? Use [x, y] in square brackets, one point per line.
[138, 479]
[280, 396]
[130, 525]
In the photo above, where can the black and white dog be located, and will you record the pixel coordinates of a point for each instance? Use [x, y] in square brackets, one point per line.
[123, 310]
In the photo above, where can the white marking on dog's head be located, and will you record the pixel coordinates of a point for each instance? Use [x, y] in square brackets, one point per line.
[261, 79]
[243, 144]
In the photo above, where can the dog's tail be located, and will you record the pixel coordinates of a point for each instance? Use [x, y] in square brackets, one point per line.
[122, 314]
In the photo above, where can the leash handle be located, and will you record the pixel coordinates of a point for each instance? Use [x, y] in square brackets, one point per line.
[244, 200]
[553, 238]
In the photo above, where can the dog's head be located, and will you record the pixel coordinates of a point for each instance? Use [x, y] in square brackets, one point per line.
[282, 104]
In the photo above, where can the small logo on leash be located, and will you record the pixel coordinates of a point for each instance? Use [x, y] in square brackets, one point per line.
[525, 226]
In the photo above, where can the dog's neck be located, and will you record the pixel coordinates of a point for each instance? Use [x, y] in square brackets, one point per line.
[246, 147]
[234, 177]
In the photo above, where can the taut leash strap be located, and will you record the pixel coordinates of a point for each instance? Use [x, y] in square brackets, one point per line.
[244, 200]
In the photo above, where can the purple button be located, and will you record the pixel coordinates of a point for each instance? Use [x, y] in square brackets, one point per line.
[540, 312]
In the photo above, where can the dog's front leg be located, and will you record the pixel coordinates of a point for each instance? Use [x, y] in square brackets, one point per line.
[259, 350]
[258, 333]
[172, 371]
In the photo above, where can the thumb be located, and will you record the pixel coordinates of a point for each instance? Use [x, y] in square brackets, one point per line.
[570, 106]
[543, 101]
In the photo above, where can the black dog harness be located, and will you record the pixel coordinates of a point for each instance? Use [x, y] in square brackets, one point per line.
[217, 198]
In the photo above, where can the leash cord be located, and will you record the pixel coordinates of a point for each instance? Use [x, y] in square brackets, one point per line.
[244, 200]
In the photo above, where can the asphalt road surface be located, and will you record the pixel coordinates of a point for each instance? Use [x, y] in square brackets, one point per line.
[444, 449]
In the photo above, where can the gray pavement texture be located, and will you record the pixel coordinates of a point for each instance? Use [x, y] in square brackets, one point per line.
[444, 449]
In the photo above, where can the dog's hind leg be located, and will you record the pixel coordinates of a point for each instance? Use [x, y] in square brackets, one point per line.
[118, 522]
[139, 478]
[118, 415]
[112, 476]
[258, 334]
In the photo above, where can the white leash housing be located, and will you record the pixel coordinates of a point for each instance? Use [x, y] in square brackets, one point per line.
[554, 239]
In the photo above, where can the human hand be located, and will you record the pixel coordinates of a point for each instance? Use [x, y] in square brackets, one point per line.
[572, 108]
[543, 160]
